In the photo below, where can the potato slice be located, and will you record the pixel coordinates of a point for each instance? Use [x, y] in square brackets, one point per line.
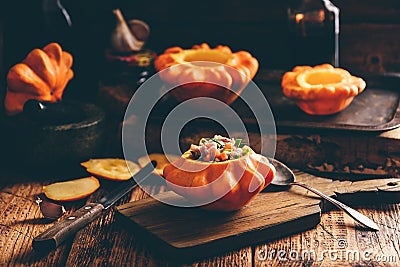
[161, 159]
[71, 190]
[112, 169]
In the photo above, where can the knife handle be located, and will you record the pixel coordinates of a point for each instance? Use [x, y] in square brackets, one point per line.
[59, 232]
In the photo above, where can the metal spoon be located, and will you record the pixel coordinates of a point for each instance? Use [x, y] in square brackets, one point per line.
[285, 177]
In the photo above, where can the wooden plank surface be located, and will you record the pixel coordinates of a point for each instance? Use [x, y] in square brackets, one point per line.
[193, 232]
[20, 222]
[115, 245]
[118, 246]
[331, 245]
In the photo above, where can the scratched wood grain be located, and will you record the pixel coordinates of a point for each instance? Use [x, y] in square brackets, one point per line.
[106, 243]
[20, 222]
[331, 244]
[195, 233]
[119, 247]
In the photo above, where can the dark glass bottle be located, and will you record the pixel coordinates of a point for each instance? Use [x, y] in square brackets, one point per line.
[313, 32]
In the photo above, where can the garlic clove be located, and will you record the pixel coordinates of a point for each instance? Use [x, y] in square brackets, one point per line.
[49, 209]
[139, 29]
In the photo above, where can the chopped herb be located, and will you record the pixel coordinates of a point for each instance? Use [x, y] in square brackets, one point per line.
[245, 152]
[237, 142]
[219, 144]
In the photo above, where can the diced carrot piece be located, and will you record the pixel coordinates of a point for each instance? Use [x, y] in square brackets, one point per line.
[194, 147]
[223, 156]
[228, 146]
[216, 152]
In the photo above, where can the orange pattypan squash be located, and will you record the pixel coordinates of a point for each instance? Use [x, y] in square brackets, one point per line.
[224, 186]
[321, 90]
[204, 71]
[42, 75]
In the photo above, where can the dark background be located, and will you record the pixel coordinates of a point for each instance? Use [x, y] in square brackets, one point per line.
[369, 39]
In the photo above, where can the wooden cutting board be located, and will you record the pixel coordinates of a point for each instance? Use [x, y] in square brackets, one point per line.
[274, 213]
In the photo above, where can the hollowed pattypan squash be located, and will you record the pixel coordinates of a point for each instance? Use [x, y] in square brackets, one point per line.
[322, 89]
[203, 71]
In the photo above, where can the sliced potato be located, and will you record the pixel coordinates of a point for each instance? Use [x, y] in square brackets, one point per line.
[161, 159]
[71, 190]
[112, 169]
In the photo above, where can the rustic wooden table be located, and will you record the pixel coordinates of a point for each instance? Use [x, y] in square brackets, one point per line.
[335, 241]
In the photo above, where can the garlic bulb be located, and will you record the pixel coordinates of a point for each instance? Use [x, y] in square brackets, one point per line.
[122, 39]
[139, 29]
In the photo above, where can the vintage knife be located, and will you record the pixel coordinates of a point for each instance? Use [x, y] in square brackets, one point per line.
[62, 230]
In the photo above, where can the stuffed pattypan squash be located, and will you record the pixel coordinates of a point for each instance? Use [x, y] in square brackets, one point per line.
[219, 174]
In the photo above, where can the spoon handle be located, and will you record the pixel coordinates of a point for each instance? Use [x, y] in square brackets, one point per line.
[357, 216]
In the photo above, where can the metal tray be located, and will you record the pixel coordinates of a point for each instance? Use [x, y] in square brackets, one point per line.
[376, 109]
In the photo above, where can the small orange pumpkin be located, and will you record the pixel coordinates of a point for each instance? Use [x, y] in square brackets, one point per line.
[42, 75]
[322, 89]
[227, 185]
[182, 66]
